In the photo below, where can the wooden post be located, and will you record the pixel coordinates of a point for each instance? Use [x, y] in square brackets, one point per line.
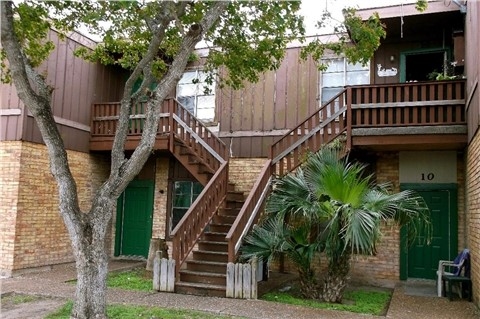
[156, 271]
[154, 247]
[171, 276]
[247, 280]
[230, 293]
[254, 291]
[163, 274]
[238, 281]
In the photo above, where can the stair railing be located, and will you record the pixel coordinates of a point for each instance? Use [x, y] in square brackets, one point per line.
[213, 152]
[196, 136]
[322, 127]
[188, 231]
[250, 211]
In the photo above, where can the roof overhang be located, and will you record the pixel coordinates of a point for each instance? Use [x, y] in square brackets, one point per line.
[405, 10]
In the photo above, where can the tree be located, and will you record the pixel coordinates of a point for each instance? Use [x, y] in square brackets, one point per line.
[154, 40]
[339, 213]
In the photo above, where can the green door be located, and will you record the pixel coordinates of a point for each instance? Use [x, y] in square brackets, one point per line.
[134, 219]
[422, 259]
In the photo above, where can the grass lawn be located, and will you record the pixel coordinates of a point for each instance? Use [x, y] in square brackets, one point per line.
[135, 279]
[130, 312]
[359, 300]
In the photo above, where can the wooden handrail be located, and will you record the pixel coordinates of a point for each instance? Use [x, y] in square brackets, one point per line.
[196, 129]
[249, 213]
[322, 127]
[188, 231]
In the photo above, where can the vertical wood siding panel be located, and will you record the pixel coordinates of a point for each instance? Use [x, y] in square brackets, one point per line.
[224, 108]
[303, 90]
[269, 101]
[237, 106]
[84, 108]
[245, 146]
[248, 108]
[280, 95]
[77, 90]
[221, 106]
[60, 76]
[258, 107]
[292, 88]
[313, 84]
[64, 110]
[10, 125]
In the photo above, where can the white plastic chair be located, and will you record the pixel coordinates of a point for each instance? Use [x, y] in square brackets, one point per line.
[457, 265]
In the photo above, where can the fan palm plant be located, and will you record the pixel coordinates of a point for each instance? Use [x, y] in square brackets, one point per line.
[329, 205]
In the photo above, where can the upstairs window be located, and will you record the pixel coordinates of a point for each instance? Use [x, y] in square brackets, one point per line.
[340, 73]
[191, 94]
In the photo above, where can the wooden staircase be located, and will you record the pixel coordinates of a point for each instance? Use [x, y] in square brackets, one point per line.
[205, 272]
[221, 216]
[197, 166]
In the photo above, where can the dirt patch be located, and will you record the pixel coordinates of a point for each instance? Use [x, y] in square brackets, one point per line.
[21, 306]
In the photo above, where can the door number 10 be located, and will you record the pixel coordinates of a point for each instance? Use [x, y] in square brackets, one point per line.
[428, 177]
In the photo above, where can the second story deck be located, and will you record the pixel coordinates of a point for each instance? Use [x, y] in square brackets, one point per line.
[420, 115]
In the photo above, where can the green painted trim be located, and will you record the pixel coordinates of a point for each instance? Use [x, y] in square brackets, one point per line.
[453, 189]
[403, 57]
[428, 187]
[118, 225]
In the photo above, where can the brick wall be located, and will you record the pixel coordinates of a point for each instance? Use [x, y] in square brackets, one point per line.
[384, 267]
[40, 235]
[10, 153]
[473, 216]
[160, 208]
[244, 172]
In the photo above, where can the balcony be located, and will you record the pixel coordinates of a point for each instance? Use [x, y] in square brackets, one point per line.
[421, 115]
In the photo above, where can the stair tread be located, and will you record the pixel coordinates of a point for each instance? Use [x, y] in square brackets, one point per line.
[220, 224]
[212, 242]
[215, 233]
[201, 285]
[211, 252]
[202, 273]
[207, 262]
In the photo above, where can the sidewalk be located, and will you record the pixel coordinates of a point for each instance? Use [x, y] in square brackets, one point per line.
[53, 284]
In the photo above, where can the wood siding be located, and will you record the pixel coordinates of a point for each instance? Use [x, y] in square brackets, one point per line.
[437, 31]
[472, 67]
[257, 115]
[76, 83]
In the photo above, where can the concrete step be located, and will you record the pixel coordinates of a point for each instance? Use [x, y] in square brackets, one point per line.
[200, 289]
[211, 278]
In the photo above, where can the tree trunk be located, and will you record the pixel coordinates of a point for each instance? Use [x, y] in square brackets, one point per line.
[92, 269]
[309, 287]
[91, 287]
[336, 280]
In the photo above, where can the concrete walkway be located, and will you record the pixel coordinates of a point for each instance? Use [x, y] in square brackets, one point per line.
[404, 304]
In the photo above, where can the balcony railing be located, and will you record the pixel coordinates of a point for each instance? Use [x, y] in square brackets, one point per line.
[420, 104]
[408, 104]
